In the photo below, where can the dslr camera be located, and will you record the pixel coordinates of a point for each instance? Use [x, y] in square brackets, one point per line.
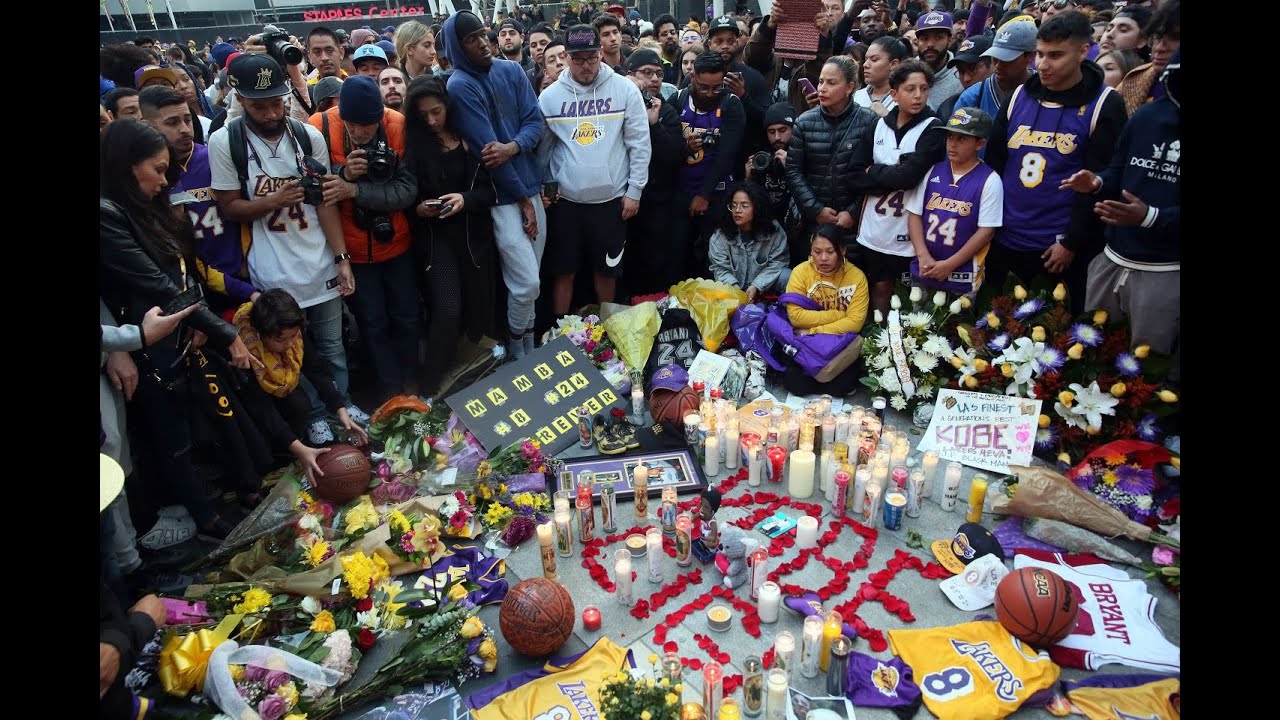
[710, 138]
[376, 222]
[279, 47]
[312, 182]
[382, 162]
[762, 161]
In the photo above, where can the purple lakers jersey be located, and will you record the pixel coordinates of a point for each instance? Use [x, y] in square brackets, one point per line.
[1046, 146]
[698, 164]
[950, 218]
[217, 238]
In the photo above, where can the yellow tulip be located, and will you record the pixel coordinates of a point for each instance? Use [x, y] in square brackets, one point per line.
[1076, 351]
[1060, 292]
[981, 365]
[1169, 396]
[653, 658]
[1006, 370]
[993, 321]
[965, 302]
[971, 382]
[1066, 397]
[1037, 333]
[1142, 351]
[1019, 292]
[1118, 390]
[1044, 421]
[1099, 317]
[1063, 457]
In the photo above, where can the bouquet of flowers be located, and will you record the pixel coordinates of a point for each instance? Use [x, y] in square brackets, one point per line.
[630, 695]
[907, 352]
[510, 489]
[273, 693]
[414, 538]
[456, 512]
[1026, 343]
[407, 427]
[589, 334]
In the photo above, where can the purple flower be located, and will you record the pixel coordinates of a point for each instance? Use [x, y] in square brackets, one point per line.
[982, 322]
[253, 673]
[1028, 308]
[1147, 428]
[275, 679]
[1134, 480]
[1084, 479]
[1128, 365]
[1046, 438]
[1047, 360]
[1085, 334]
[999, 342]
[384, 470]
[273, 707]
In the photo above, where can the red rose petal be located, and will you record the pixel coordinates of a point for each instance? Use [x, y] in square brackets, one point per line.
[671, 647]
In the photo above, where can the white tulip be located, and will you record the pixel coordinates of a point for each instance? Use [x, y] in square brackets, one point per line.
[940, 298]
[878, 317]
[917, 294]
[894, 302]
[955, 308]
[311, 605]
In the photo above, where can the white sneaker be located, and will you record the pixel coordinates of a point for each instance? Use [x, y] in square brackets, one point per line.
[173, 527]
[319, 433]
[358, 416]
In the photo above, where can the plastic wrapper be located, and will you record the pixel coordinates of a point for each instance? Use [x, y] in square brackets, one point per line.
[1078, 540]
[461, 448]
[221, 689]
[1043, 493]
[756, 370]
[632, 331]
[748, 327]
[712, 304]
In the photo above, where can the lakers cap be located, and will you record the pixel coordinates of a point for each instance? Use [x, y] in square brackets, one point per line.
[256, 76]
[970, 542]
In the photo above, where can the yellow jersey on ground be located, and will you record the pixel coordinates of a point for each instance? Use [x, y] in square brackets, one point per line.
[563, 689]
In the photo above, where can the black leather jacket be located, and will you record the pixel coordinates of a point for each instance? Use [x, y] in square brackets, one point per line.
[133, 281]
[822, 154]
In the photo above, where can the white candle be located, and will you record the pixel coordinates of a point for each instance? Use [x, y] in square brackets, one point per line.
[731, 449]
[951, 486]
[901, 449]
[564, 533]
[546, 548]
[637, 400]
[776, 704]
[784, 651]
[801, 473]
[653, 541]
[806, 531]
[755, 464]
[930, 467]
[861, 479]
[842, 428]
[811, 644]
[828, 431]
[826, 475]
[880, 472]
[711, 465]
[770, 599]
[871, 506]
[622, 575]
[793, 434]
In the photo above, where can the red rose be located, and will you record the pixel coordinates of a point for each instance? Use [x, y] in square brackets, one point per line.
[364, 604]
[365, 639]
[618, 413]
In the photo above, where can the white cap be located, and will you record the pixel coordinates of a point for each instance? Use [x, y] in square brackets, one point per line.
[975, 588]
[110, 480]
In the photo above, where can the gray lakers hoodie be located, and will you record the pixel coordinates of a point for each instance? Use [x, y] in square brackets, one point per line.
[597, 140]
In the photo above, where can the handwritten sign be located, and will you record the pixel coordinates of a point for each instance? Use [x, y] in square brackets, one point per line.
[537, 397]
[718, 371]
[990, 432]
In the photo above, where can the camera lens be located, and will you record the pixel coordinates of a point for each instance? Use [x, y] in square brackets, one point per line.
[761, 160]
[291, 54]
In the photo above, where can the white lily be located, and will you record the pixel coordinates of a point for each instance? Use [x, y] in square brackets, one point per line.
[1093, 403]
[1069, 417]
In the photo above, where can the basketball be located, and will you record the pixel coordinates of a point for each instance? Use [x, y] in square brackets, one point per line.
[346, 474]
[669, 408]
[1036, 606]
[537, 616]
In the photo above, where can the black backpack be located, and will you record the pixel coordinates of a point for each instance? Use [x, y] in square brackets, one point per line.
[239, 156]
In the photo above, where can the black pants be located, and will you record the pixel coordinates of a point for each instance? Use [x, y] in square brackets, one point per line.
[1028, 266]
[690, 237]
[648, 248]
[795, 380]
[458, 293]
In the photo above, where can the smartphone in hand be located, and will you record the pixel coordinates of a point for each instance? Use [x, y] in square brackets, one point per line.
[186, 298]
[809, 89]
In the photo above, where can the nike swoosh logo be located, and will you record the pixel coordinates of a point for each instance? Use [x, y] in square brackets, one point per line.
[613, 261]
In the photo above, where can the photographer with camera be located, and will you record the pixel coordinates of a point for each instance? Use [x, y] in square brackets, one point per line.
[768, 168]
[287, 53]
[267, 172]
[371, 187]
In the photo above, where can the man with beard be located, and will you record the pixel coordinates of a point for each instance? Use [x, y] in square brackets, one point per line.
[667, 31]
[497, 113]
[742, 80]
[392, 84]
[778, 120]
[1011, 53]
[511, 44]
[933, 32]
[610, 29]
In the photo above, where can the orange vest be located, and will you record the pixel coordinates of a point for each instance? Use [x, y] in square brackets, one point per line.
[360, 243]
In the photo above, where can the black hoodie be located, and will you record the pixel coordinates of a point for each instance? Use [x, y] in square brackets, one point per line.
[1084, 228]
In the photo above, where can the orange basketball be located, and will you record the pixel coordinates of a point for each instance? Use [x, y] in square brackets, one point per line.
[346, 474]
[537, 616]
[1036, 606]
[669, 408]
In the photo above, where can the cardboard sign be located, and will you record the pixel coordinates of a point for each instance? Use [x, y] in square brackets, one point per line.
[990, 432]
[536, 397]
[717, 371]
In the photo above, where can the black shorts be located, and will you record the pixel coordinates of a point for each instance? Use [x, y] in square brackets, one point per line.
[596, 231]
[883, 267]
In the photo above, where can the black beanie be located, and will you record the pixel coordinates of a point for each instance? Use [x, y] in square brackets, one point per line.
[360, 100]
[466, 23]
[778, 113]
[641, 57]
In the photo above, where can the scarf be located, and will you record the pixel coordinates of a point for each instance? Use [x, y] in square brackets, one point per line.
[280, 373]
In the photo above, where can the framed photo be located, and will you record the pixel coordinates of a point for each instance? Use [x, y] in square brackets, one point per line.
[827, 708]
[668, 468]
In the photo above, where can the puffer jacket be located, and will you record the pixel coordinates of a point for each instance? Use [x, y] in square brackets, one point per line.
[822, 154]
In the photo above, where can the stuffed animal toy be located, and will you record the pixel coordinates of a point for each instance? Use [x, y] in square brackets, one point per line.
[735, 548]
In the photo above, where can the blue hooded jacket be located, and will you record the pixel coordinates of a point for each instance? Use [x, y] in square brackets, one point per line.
[497, 104]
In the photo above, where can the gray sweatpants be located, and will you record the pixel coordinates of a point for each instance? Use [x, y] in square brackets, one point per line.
[521, 260]
[1151, 300]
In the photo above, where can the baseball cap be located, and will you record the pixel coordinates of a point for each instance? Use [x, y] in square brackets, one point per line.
[110, 480]
[366, 52]
[580, 38]
[1012, 39]
[617, 10]
[151, 72]
[724, 22]
[388, 47]
[389, 28]
[670, 377]
[640, 58]
[971, 50]
[934, 20]
[513, 24]
[325, 88]
[970, 542]
[779, 113]
[968, 121]
[221, 52]
[256, 76]
[975, 588]
[342, 35]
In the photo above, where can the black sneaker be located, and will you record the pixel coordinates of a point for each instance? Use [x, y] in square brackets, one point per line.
[216, 534]
[609, 440]
[170, 557]
[626, 432]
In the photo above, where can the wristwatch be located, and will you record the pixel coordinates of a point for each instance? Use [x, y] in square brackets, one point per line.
[339, 258]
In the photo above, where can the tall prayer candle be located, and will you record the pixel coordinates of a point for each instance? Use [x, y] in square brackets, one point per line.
[832, 628]
[711, 464]
[776, 704]
[640, 480]
[977, 494]
[622, 576]
[546, 547]
[930, 467]
[801, 478]
[564, 533]
[951, 486]
[755, 465]
[784, 651]
[655, 554]
[712, 687]
[811, 646]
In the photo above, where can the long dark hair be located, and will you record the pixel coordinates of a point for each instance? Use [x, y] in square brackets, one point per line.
[124, 144]
[762, 219]
[423, 148]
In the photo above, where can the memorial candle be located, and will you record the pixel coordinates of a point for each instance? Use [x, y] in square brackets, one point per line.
[755, 465]
[784, 651]
[640, 481]
[811, 645]
[712, 687]
[977, 494]
[832, 628]
[622, 576]
[807, 532]
[731, 454]
[546, 547]
[655, 554]
[770, 598]
[776, 704]
[930, 467]
[801, 477]
[951, 486]
[711, 463]
[591, 618]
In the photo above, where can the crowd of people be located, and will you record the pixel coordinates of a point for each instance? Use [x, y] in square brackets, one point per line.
[273, 204]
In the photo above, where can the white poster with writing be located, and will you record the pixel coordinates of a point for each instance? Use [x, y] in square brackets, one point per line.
[984, 431]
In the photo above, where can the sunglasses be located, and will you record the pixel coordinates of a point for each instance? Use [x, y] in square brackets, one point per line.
[1059, 4]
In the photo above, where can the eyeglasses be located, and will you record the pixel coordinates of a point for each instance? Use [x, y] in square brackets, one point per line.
[584, 60]
[708, 89]
[1059, 4]
[738, 206]
[649, 73]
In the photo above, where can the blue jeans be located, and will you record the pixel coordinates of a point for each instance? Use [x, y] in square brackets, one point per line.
[324, 322]
[387, 309]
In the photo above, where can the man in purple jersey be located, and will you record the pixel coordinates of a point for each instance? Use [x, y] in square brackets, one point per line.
[217, 238]
[1064, 119]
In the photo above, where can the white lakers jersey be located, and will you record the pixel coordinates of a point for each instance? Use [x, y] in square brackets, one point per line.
[884, 217]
